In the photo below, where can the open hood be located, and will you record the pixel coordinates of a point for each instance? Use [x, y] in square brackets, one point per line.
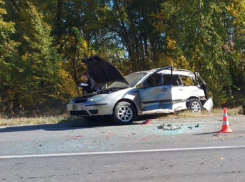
[103, 71]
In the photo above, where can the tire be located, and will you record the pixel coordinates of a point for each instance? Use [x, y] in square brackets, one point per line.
[194, 105]
[124, 113]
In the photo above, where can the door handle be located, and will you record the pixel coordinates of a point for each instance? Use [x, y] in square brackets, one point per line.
[164, 89]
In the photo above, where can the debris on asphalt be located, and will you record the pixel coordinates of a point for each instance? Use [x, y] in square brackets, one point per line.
[196, 126]
[148, 121]
[168, 127]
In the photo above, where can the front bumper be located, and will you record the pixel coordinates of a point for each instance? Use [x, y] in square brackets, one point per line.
[90, 108]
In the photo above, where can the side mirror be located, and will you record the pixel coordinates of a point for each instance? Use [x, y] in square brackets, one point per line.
[140, 86]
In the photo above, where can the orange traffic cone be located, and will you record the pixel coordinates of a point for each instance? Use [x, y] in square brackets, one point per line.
[225, 125]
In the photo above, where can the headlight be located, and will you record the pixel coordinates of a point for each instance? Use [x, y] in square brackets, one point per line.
[97, 97]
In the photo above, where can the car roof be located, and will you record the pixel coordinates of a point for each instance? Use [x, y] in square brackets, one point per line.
[167, 71]
[177, 72]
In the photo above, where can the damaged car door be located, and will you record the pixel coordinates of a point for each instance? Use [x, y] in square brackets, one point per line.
[148, 94]
[153, 93]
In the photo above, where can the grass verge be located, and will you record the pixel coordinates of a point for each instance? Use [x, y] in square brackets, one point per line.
[73, 121]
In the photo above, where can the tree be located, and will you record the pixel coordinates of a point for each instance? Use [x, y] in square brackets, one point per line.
[200, 29]
[8, 57]
[144, 44]
[34, 75]
[236, 44]
[43, 43]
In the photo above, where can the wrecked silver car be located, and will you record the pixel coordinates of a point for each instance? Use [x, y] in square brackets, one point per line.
[156, 91]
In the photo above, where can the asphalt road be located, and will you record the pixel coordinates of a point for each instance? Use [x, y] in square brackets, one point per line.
[195, 152]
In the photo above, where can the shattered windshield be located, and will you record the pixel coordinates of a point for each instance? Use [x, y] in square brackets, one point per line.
[132, 79]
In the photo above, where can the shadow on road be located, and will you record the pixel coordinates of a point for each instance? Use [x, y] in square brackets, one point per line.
[216, 132]
[65, 124]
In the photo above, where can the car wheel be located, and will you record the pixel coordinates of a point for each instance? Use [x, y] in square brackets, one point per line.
[194, 105]
[124, 113]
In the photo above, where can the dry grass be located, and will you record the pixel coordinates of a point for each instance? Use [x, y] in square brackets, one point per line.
[32, 121]
[66, 119]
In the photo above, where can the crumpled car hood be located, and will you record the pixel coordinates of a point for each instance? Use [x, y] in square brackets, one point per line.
[103, 71]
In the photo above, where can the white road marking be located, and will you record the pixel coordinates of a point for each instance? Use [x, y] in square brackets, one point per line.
[120, 152]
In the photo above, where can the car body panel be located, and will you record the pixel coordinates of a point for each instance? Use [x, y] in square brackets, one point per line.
[148, 98]
[208, 105]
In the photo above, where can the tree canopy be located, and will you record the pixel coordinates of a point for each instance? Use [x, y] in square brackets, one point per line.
[43, 42]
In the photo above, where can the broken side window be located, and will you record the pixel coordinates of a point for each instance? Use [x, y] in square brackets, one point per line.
[187, 81]
[152, 81]
[172, 80]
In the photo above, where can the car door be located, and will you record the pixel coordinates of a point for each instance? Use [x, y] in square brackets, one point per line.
[149, 93]
[174, 94]
[180, 94]
[165, 93]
